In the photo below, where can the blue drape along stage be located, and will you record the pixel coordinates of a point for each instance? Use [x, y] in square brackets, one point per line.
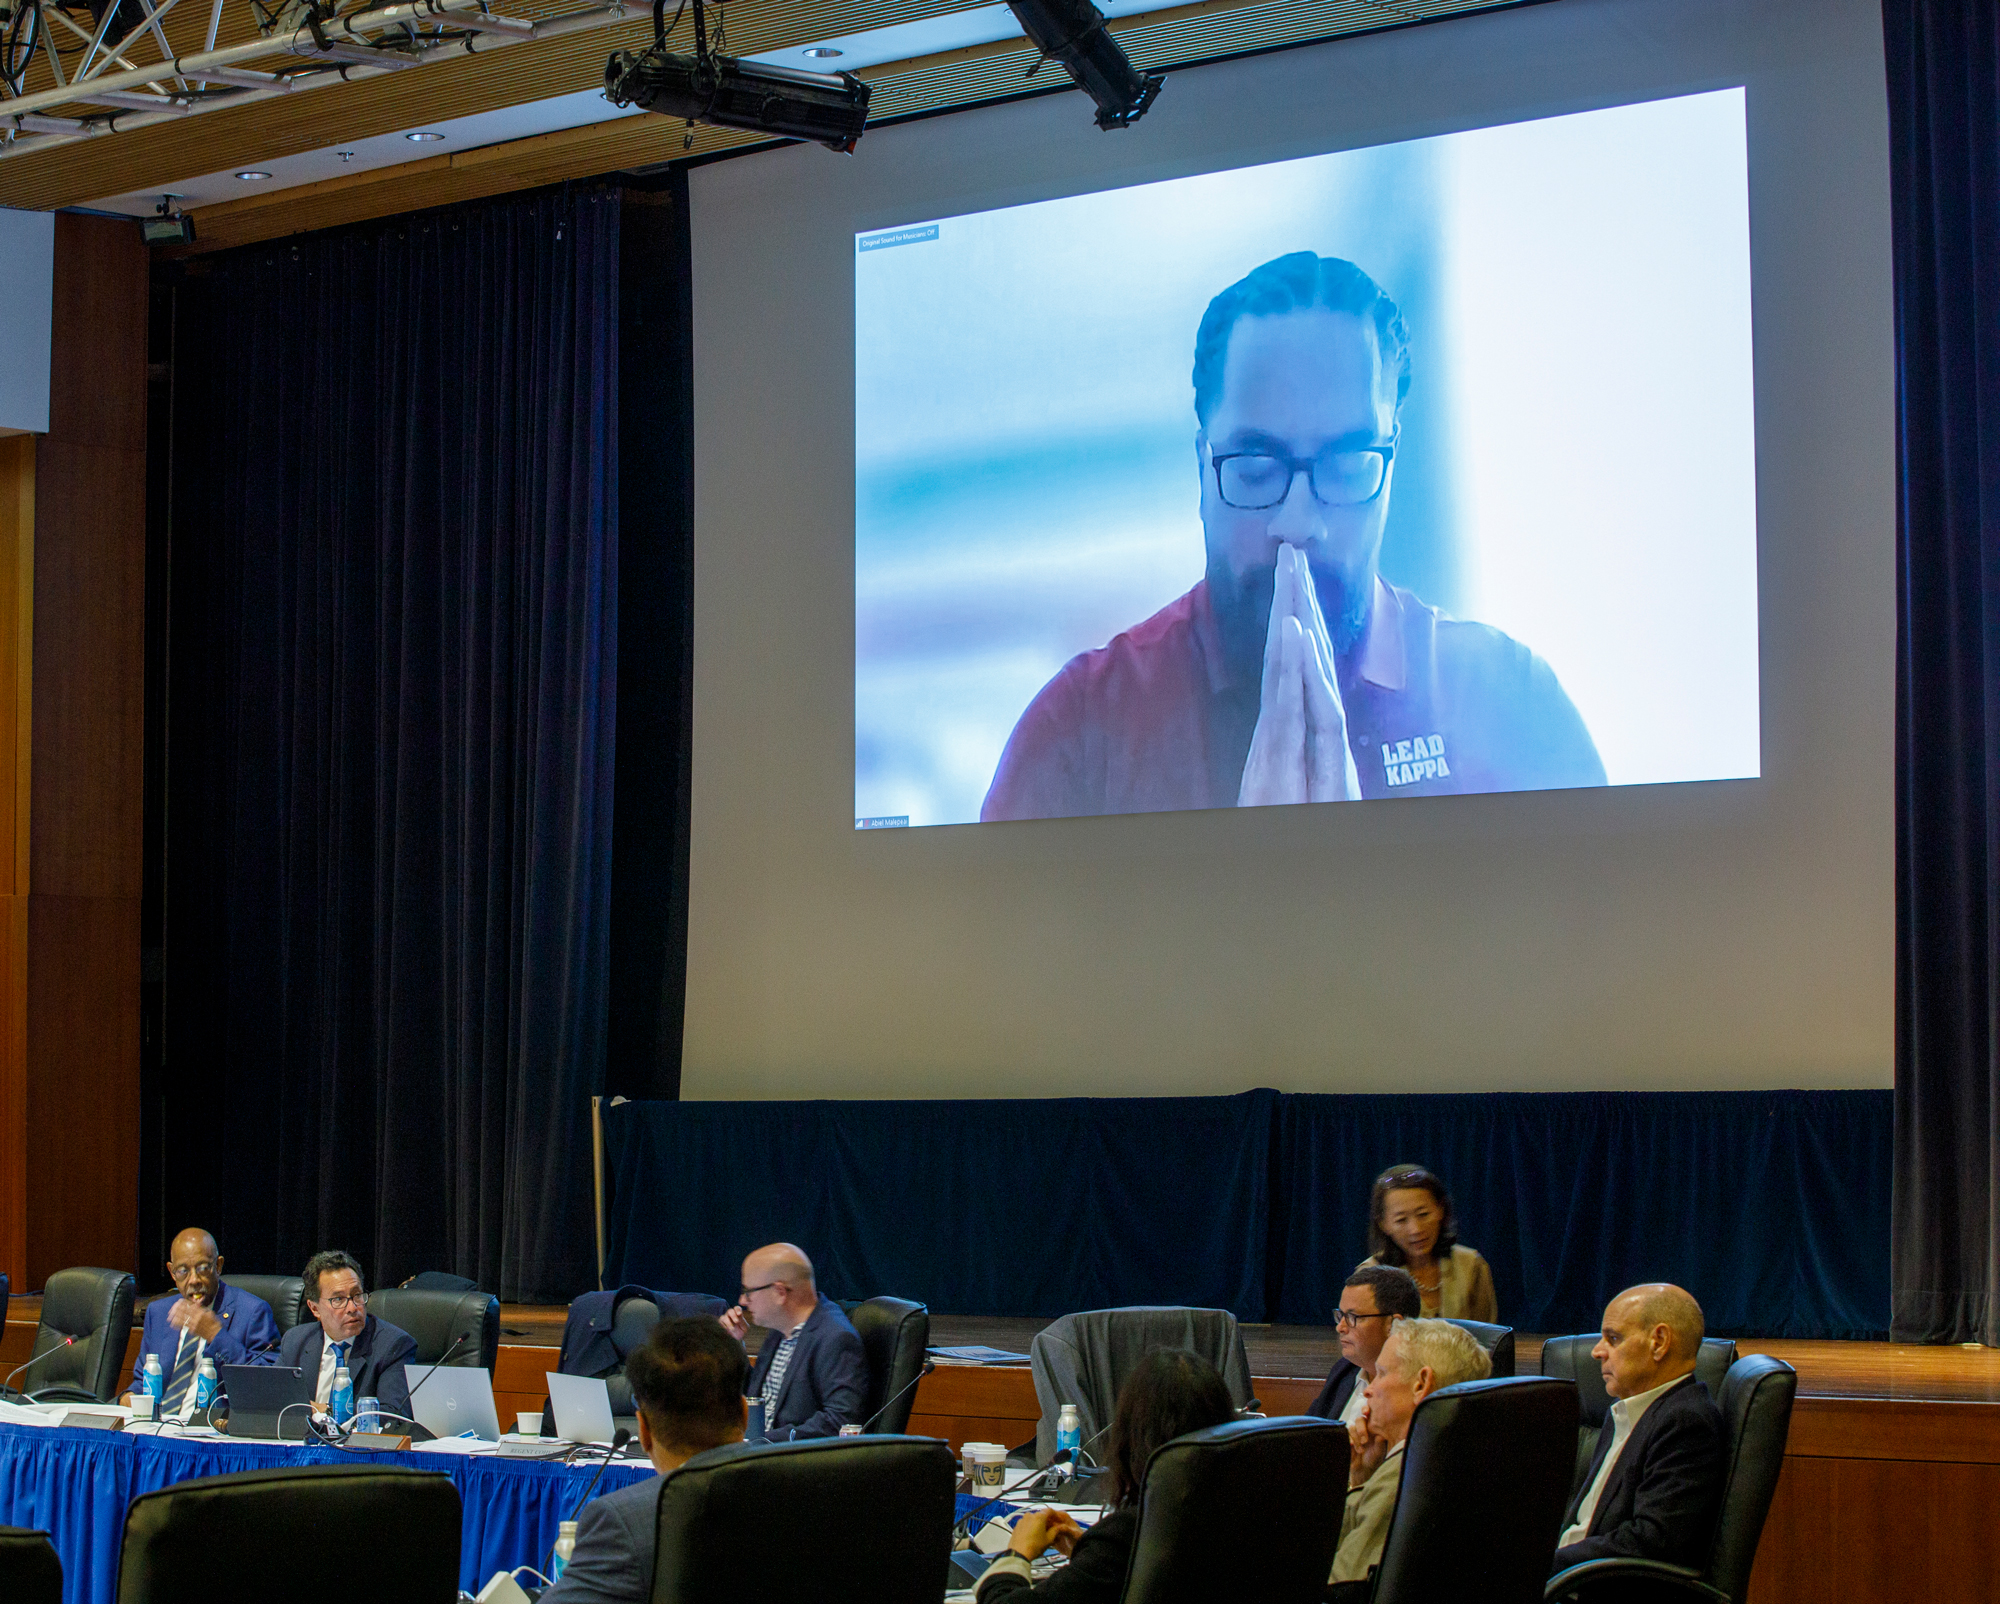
[77, 1485]
[1943, 61]
[393, 692]
[1772, 1206]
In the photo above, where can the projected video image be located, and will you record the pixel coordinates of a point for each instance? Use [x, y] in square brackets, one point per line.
[1420, 470]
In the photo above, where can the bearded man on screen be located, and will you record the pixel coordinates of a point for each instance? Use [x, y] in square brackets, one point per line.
[1293, 672]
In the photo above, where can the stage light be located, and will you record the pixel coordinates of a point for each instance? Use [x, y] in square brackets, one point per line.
[1072, 32]
[728, 92]
[251, 175]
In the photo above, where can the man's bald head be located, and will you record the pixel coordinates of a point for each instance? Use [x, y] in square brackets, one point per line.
[779, 1291]
[1652, 1334]
[195, 1265]
[193, 1240]
[781, 1261]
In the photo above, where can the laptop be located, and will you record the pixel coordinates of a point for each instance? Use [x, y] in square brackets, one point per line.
[450, 1400]
[261, 1400]
[582, 1407]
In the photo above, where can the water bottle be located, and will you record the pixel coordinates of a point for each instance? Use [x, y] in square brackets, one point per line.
[341, 1404]
[154, 1382]
[204, 1385]
[565, 1546]
[1069, 1433]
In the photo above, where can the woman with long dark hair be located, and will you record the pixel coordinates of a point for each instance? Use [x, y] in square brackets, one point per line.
[1411, 1225]
[1171, 1393]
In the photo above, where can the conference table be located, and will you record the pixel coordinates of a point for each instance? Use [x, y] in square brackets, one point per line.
[77, 1484]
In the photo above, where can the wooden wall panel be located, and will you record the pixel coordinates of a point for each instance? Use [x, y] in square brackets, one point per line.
[17, 596]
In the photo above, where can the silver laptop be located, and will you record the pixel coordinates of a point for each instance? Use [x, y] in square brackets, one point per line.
[582, 1407]
[450, 1400]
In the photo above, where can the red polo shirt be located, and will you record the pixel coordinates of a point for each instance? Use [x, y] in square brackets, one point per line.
[1157, 721]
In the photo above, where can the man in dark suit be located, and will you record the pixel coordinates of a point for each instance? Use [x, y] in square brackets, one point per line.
[811, 1372]
[205, 1319]
[1371, 1301]
[1655, 1484]
[687, 1380]
[342, 1331]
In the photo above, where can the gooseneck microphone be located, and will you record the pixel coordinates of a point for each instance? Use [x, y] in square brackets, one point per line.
[463, 1338]
[8, 1384]
[619, 1439]
[901, 1393]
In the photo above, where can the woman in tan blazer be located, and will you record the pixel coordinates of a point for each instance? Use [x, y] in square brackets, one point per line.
[1410, 1223]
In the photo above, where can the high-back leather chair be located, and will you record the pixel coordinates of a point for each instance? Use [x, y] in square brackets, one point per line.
[1498, 1341]
[438, 1320]
[1485, 1482]
[248, 1534]
[1084, 1358]
[95, 1307]
[884, 1505]
[3, 1311]
[602, 1329]
[1222, 1514]
[894, 1334]
[30, 1569]
[1756, 1401]
[286, 1294]
[1568, 1358]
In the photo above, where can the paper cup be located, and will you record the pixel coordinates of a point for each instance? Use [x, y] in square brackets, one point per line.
[989, 1469]
[142, 1406]
[530, 1422]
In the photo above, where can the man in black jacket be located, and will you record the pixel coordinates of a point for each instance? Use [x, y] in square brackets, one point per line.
[1655, 1483]
[1374, 1296]
[811, 1372]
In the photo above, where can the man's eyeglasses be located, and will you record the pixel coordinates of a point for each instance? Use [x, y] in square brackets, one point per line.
[1343, 1318]
[1255, 481]
[346, 1300]
[767, 1285]
[180, 1272]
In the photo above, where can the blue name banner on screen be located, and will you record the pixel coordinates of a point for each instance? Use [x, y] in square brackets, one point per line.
[1425, 469]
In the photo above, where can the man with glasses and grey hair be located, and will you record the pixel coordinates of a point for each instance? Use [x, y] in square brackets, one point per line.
[343, 1332]
[811, 1375]
[206, 1318]
[1292, 672]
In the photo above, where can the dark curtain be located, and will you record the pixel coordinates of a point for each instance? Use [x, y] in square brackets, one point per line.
[1773, 1207]
[1944, 140]
[392, 696]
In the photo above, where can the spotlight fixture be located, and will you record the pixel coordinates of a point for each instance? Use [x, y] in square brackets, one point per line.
[822, 52]
[423, 138]
[728, 92]
[168, 225]
[1072, 32]
[250, 175]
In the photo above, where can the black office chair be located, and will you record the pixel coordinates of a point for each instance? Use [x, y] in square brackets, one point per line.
[1498, 1341]
[1250, 1509]
[1485, 1483]
[441, 1321]
[1084, 1358]
[286, 1294]
[1568, 1359]
[884, 1505]
[95, 1308]
[894, 1334]
[1756, 1402]
[250, 1533]
[30, 1569]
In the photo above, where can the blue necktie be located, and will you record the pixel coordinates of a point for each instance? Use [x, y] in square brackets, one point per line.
[183, 1377]
[339, 1364]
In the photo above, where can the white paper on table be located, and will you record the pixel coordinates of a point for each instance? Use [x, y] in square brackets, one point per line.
[14, 1414]
[456, 1445]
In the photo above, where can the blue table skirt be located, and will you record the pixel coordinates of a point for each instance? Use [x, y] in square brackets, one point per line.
[76, 1485]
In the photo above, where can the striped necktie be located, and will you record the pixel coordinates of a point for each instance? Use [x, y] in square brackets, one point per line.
[180, 1385]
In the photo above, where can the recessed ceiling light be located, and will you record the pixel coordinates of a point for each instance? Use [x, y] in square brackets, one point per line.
[422, 139]
[250, 173]
[822, 52]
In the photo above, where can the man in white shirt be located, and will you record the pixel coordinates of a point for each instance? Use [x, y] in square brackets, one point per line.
[1373, 1298]
[1655, 1484]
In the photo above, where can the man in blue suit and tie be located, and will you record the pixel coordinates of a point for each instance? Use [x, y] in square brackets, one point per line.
[343, 1332]
[811, 1374]
[687, 1379]
[205, 1319]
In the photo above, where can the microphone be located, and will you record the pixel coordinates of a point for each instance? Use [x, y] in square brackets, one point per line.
[8, 1384]
[901, 1393]
[619, 1439]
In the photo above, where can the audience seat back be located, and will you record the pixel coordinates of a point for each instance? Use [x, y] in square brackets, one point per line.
[286, 1294]
[894, 1335]
[1568, 1359]
[30, 1569]
[1486, 1478]
[240, 1536]
[1498, 1341]
[95, 1307]
[1084, 1358]
[866, 1520]
[1756, 1401]
[1226, 1509]
[437, 1319]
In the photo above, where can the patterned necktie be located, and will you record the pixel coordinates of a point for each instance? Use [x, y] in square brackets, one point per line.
[180, 1385]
